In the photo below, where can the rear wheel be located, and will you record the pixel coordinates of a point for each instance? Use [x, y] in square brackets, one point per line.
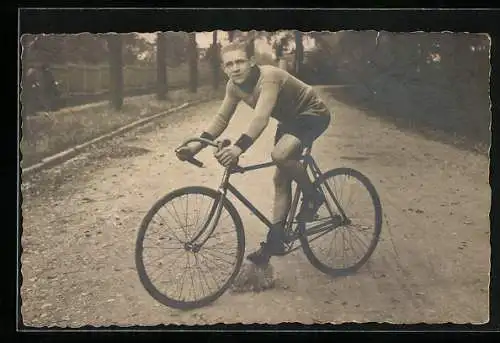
[173, 269]
[356, 235]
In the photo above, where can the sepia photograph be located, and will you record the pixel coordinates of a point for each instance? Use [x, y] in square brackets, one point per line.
[254, 177]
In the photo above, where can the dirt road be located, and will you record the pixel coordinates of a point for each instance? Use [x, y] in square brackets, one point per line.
[432, 265]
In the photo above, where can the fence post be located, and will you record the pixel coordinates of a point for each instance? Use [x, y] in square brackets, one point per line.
[116, 70]
[161, 65]
[193, 62]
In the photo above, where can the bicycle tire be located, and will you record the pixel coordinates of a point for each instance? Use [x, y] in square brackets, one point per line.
[143, 276]
[313, 259]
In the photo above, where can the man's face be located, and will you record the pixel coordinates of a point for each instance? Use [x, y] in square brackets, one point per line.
[236, 65]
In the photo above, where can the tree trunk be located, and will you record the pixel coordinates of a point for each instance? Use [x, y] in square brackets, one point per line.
[299, 53]
[251, 43]
[115, 70]
[215, 60]
[193, 63]
[161, 67]
[283, 64]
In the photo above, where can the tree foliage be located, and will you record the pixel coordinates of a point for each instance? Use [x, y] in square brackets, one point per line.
[193, 63]
[176, 53]
[416, 55]
[89, 48]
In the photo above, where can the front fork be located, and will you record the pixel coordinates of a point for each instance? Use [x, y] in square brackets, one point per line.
[213, 217]
[316, 173]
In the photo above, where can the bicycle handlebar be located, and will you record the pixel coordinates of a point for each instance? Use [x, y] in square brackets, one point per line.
[217, 144]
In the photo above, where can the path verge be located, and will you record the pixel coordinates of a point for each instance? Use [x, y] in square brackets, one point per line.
[53, 138]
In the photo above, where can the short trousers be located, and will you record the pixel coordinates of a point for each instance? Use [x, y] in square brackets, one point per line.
[307, 128]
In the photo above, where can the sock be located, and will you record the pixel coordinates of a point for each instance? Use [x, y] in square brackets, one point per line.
[277, 231]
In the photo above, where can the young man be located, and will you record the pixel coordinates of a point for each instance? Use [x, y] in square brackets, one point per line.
[302, 117]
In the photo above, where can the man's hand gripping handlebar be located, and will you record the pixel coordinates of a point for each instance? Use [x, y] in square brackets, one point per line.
[185, 155]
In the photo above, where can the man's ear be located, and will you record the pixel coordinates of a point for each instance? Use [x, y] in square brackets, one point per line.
[252, 61]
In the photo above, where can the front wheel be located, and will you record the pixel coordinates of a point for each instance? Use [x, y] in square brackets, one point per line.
[172, 267]
[347, 226]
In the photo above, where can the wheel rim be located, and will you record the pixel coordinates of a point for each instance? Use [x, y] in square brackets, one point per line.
[348, 245]
[182, 274]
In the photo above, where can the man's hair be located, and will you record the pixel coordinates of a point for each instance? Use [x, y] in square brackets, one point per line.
[236, 45]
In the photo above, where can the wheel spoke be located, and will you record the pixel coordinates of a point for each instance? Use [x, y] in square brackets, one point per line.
[163, 270]
[183, 278]
[185, 283]
[203, 274]
[179, 222]
[192, 283]
[170, 229]
[211, 271]
[351, 251]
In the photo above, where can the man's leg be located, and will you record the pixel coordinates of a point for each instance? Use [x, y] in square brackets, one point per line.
[282, 196]
[286, 155]
[289, 147]
[286, 147]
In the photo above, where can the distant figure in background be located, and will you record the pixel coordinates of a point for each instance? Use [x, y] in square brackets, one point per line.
[30, 92]
[50, 94]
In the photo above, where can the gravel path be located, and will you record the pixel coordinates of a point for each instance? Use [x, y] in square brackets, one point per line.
[80, 222]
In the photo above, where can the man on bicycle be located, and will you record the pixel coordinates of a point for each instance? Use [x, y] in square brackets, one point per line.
[302, 117]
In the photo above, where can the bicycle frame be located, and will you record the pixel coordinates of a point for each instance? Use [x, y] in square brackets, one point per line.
[225, 186]
[307, 161]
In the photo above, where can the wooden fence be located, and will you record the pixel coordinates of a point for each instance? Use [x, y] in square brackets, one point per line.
[79, 79]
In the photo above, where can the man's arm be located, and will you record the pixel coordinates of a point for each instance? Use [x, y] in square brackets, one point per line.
[221, 120]
[263, 110]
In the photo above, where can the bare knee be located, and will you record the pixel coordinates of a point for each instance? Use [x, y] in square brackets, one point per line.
[278, 157]
[287, 148]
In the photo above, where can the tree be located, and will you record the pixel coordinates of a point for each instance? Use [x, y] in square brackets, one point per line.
[115, 45]
[299, 52]
[135, 47]
[214, 56]
[61, 48]
[251, 42]
[177, 43]
[193, 63]
[161, 64]
[85, 48]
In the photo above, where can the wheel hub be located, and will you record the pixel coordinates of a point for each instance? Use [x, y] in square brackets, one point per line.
[192, 247]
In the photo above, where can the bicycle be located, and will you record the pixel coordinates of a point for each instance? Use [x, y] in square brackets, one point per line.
[196, 243]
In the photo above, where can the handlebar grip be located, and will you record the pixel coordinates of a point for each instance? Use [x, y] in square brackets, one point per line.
[238, 169]
[194, 161]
